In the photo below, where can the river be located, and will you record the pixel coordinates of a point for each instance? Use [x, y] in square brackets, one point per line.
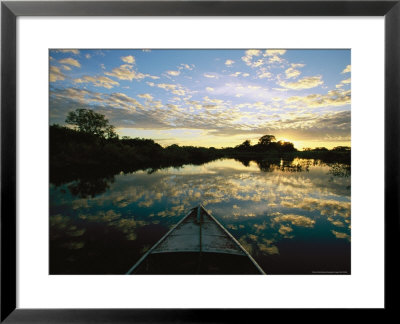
[293, 217]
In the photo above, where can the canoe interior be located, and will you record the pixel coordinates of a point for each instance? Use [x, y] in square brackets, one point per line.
[198, 244]
[182, 263]
[198, 234]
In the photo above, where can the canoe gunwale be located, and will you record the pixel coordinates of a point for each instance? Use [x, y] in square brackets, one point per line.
[157, 244]
[152, 250]
[236, 241]
[197, 251]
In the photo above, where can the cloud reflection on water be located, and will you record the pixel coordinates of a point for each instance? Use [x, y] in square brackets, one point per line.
[261, 209]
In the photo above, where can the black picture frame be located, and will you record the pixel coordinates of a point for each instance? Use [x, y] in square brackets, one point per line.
[10, 10]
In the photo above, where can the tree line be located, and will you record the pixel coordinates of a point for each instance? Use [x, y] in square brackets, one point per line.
[90, 142]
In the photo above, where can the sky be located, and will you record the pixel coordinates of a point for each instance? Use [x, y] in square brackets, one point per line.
[215, 97]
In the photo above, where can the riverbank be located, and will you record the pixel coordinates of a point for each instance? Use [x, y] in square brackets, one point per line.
[74, 153]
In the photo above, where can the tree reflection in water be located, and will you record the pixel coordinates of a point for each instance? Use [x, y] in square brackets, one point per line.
[83, 183]
[90, 187]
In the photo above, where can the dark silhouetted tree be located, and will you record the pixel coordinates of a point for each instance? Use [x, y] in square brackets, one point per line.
[342, 149]
[244, 146]
[266, 140]
[90, 122]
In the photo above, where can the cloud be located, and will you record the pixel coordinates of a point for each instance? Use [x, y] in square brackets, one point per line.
[229, 62]
[186, 66]
[70, 61]
[332, 98]
[210, 75]
[274, 52]
[174, 88]
[66, 68]
[274, 55]
[79, 95]
[304, 83]
[166, 86]
[88, 56]
[173, 73]
[347, 69]
[101, 100]
[343, 83]
[285, 229]
[98, 81]
[297, 220]
[121, 100]
[253, 52]
[292, 73]
[340, 235]
[73, 51]
[209, 89]
[264, 74]
[126, 72]
[248, 57]
[269, 56]
[146, 96]
[179, 92]
[327, 207]
[128, 59]
[236, 74]
[268, 249]
[56, 74]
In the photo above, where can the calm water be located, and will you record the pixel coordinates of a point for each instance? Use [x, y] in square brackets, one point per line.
[293, 217]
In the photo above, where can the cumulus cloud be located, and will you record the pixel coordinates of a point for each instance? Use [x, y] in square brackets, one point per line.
[332, 98]
[297, 220]
[70, 61]
[73, 51]
[166, 86]
[56, 74]
[174, 88]
[285, 229]
[340, 235]
[210, 75]
[209, 89]
[229, 62]
[186, 66]
[98, 81]
[273, 52]
[236, 74]
[292, 73]
[173, 73]
[248, 57]
[126, 72]
[273, 55]
[146, 96]
[253, 52]
[128, 59]
[264, 74]
[347, 69]
[304, 83]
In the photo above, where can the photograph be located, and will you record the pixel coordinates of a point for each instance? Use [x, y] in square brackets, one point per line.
[199, 161]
